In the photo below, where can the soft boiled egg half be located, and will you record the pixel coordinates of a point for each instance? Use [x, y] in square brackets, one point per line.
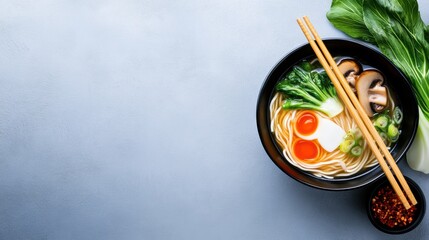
[311, 126]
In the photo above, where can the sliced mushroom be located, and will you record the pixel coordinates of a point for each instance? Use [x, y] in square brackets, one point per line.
[371, 93]
[350, 70]
[347, 66]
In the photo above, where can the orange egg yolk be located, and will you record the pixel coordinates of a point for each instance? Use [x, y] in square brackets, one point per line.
[306, 150]
[306, 123]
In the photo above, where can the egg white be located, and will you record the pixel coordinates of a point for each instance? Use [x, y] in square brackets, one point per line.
[330, 135]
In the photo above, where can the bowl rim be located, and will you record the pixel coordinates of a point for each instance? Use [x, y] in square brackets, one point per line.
[421, 203]
[284, 164]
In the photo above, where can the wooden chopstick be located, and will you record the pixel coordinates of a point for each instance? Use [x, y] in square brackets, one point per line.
[357, 112]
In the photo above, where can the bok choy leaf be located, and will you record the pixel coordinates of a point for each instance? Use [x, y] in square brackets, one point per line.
[347, 16]
[307, 89]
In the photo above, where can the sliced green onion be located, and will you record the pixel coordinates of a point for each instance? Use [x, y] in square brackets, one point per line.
[349, 136]
[397, 115]
[347, 145]
[392, 133]
[382, 122]
[356, 151]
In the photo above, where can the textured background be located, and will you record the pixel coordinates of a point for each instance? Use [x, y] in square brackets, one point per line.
[136, 120]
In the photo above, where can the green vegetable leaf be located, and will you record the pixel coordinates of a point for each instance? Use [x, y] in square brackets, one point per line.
[404, 12]
[400, 34]
[427, 33]
[309, 90]
[347, 16]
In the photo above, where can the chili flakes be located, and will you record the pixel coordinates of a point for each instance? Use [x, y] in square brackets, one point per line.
[389, 210]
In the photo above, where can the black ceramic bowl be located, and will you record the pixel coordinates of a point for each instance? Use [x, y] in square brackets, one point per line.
[397, 83]
[419, 213]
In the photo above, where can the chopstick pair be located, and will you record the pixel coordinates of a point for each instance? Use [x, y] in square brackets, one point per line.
[352, 104]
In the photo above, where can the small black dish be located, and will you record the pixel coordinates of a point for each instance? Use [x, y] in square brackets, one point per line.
[419, 213]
